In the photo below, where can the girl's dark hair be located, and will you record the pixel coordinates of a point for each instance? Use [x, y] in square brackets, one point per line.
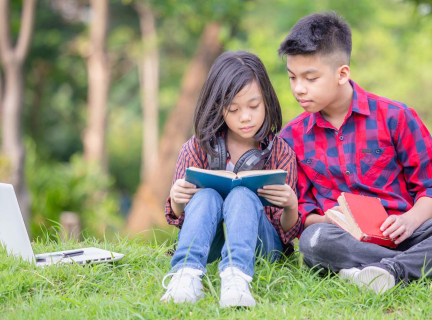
[230, 73]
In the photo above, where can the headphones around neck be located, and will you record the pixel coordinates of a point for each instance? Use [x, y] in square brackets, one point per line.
[253, 159]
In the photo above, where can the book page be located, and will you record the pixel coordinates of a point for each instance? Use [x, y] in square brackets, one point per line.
[340, 219]
[258, 172]
[221, 173]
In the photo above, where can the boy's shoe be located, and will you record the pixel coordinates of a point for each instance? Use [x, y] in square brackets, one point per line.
[235, 289]
[185, 286]
[374, 276]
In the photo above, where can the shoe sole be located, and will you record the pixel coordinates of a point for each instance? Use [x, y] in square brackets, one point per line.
[374, 278]
[234, 302]
[243, 301]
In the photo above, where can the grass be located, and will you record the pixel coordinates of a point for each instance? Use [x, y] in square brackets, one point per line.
[131, 288]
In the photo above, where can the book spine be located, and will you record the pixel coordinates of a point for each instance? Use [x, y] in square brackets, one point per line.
[386, 242]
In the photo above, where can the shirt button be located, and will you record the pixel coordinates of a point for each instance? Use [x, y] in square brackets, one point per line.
[308, 160]
[347, 173]
[378, 151]
[341, 138]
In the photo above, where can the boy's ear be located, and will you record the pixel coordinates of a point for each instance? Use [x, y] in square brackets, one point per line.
[343, 74]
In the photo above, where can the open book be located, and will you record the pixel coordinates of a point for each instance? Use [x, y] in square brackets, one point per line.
[362, 217]
[224, 181]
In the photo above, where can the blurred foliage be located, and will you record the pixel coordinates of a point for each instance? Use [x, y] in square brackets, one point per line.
[391, 48]
[75, 186]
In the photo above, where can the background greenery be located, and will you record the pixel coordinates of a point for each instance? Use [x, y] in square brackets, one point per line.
[392, 41]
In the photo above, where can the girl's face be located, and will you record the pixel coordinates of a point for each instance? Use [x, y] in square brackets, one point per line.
[246, 114]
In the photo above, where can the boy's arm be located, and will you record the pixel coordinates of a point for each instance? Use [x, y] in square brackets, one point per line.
[414, 151]
[310, 212]
[308, 208]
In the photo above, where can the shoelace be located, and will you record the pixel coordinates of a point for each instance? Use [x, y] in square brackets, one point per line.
[237, 282]
[182, 278]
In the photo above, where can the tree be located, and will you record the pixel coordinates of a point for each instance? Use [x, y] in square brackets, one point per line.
[147, 209]
[98, 83]
[149, 83]
[13, 59]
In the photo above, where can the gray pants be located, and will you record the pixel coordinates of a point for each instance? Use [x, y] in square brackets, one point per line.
[328, 247]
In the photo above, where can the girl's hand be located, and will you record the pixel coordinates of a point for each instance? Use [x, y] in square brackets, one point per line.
[399, 228]
[280, 195]
[183, 191]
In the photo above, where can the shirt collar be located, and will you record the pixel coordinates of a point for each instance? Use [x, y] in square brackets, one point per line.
[359, 104]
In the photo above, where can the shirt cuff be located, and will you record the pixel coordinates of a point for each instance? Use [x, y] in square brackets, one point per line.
[424, 193]
[286, 236]
[171, 217]
[304, 210]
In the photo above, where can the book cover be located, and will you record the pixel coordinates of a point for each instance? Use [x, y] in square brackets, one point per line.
[362, 217]
[224, 181]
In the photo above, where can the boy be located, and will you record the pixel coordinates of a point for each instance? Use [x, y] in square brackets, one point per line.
[350, 140]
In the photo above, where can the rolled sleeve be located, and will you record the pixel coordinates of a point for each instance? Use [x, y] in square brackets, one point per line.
[286, 236]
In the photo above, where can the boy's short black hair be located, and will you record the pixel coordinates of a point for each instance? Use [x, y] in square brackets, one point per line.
[320, 33]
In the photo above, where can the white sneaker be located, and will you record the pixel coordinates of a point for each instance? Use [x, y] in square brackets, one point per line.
[185, 286]
[375, 278]
[235, 289]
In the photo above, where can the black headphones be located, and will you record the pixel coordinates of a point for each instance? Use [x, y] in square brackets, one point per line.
[253, 159]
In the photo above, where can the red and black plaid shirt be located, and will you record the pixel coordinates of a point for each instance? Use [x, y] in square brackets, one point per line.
[382, 150]
[283, 157]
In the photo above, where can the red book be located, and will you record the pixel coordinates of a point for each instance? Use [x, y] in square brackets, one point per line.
[362, 217]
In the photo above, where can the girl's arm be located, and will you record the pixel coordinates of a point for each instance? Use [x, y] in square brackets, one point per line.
[174, 208]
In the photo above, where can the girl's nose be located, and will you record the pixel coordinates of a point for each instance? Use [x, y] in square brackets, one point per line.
[245, 116]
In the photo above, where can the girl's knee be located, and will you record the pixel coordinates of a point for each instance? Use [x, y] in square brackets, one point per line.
[208, 196]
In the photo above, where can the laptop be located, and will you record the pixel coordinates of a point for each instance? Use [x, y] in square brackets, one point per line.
[14, 236]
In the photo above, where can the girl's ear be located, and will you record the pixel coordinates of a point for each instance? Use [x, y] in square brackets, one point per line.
[343, 74]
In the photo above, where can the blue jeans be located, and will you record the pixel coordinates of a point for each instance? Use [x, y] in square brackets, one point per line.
[248, 231]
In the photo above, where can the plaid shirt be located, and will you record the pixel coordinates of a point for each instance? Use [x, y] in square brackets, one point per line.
[191, 155]
[382, 150]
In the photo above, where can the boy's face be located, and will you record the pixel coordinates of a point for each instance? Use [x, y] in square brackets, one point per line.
[314, 81]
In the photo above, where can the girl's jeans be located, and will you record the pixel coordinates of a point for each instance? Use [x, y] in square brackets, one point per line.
[248, 232]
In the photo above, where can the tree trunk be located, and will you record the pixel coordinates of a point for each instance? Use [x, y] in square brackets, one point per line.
[149, 83]
[13, 60]
[1, 96]
[98, 84]
[148, 206]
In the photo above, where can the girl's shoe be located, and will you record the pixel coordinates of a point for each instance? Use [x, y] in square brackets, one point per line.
[235, 289]
[185, 286]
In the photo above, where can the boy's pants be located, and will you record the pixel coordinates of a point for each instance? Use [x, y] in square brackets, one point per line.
[327, 246]
[201, 239]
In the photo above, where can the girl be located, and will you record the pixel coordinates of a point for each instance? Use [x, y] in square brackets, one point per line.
[239, 104]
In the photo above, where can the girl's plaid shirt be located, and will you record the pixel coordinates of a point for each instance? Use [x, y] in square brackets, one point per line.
[283, 157]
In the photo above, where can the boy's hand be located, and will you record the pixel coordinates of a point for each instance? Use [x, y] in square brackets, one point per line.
[183, 191]
[280, 195]
[399, 228]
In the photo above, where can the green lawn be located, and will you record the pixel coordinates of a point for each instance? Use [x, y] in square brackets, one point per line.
[131, 288]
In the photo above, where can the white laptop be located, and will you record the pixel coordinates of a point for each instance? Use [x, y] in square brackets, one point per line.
[13, 235]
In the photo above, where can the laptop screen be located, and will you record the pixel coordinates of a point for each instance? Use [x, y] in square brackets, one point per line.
[13, 233]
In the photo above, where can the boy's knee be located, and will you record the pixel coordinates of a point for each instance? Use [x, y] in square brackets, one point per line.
[313, 239]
